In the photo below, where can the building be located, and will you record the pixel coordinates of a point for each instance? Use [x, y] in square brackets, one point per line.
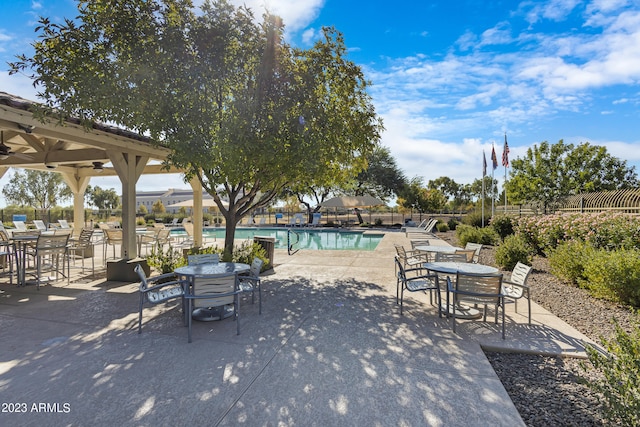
[167, 197]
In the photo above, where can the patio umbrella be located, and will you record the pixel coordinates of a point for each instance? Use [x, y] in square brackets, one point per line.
[352, 202]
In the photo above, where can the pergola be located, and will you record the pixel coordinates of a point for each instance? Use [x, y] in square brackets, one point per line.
[79, 154]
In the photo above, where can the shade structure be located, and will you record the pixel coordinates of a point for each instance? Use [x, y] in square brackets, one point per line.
[206, 203]
[351, 202]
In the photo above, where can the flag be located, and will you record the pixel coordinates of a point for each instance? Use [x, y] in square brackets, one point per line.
[484, 164]
[494, 158]
[505, 153]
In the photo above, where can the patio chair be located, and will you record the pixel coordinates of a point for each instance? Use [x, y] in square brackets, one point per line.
[47, 252]
[40, 225]
[450, 257]
[81, 246]
[477, 289]
[158, 290]
[411, 224]
[251, 282]
[6, 255]
[20, 225]
[113, 237]
[214, 292]
[477, 247]
[468, 253]
[412, 280]
[427, 229]
[516, 287]
[203, 259]
[410, 258]
[64, 224]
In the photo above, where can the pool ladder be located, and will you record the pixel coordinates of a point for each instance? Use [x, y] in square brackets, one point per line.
[290, 250]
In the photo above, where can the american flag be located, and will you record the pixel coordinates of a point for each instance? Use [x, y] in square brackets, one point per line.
[484, 164]
[505, 153]
[494, 158]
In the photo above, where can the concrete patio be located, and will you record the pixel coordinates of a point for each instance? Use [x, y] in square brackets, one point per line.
[330, 349]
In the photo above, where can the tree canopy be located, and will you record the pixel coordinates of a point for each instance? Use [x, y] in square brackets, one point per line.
[242, 111]
[42, 190]
[549, 172]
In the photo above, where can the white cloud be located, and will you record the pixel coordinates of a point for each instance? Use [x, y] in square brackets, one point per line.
[295, 14]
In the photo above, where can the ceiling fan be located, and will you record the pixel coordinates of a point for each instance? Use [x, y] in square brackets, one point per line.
[5, 151]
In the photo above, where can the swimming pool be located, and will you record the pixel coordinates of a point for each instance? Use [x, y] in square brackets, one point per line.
[317, 239]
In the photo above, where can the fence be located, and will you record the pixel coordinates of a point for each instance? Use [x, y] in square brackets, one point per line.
[626, 201]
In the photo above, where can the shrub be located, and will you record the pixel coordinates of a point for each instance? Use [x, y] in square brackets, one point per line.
[165, 262]
[568, 259]
[452, 223]
[442, 227]
[474, 219]
[466, 234]
[244, 253]
[514, 249]
[620, 382]
[503, 225]
[378, 222]
[614, 275]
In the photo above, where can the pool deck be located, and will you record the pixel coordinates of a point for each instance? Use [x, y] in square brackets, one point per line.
[330, 349]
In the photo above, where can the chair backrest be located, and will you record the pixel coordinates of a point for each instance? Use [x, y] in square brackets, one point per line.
[430, 225]
[402, 253]
[415, 243]
[469, 253]
[400, 268]
[63, 223]
[52, 244]
[114, 235]
[158, 225]
[20, 225]
[84, 239]
[450, 257]
[476, 247]
[174, 222]
[4, 237]
[212, 287]
[203, 259]
[188, 227]
[478, 288]
[1, 226]
[520, 274]
[256, 266]
[163, 236]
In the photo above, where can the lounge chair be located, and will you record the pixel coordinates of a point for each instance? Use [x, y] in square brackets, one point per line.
[427, 229]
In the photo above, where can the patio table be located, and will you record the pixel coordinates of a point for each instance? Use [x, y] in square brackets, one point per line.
[20, 241]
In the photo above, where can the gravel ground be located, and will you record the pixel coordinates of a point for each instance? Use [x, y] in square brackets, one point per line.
[550, 391]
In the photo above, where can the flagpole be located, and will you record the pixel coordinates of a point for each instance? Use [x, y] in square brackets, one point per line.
[484, 173]
[505, 162]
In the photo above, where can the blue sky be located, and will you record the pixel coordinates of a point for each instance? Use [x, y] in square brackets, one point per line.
[449, 78]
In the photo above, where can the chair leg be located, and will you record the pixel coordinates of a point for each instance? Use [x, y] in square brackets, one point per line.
[140, 314]
[189, 319]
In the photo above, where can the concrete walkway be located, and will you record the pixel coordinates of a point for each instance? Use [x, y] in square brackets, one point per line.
[330, 349]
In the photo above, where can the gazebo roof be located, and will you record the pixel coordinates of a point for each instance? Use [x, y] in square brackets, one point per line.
[67, 147]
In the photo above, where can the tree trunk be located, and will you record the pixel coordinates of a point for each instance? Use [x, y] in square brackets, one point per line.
[230, 231]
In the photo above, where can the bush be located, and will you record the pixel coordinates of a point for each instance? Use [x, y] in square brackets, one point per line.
[452, 223]
[503, 225]
[442, 227]
[620, 383]
[568, 259]
[514, 249]
[474, 219]
[614, 275]
[244, 253]
[466, 234]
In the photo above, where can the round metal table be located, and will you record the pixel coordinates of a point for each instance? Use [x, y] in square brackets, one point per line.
[211, 270]
[462, 311]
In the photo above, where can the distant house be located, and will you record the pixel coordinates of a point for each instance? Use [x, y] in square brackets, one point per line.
[167, 197]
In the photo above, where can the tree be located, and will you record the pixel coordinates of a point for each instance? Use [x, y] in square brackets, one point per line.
[158, 207]
[142, 209]
[550, 172]
[39, 189]
[415, 196]
[103, 199]
[382, 178]
[241, 110]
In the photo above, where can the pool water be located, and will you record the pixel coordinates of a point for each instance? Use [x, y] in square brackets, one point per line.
[308, 239]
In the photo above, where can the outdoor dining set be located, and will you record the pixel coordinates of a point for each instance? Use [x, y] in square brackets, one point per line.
[208, 289]
[469, 287]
